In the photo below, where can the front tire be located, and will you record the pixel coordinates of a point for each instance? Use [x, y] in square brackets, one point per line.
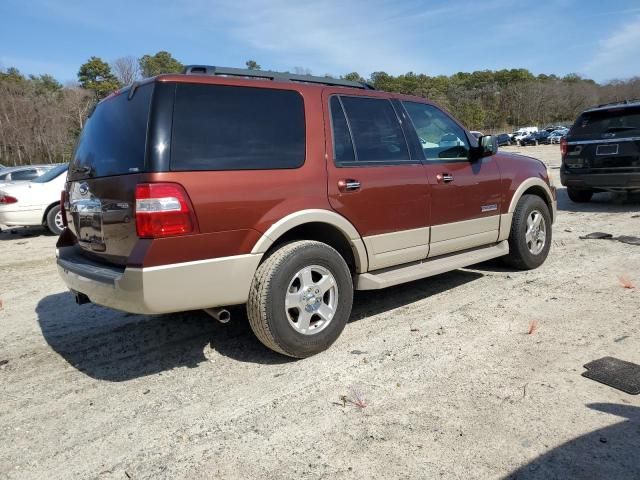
[530, 237]
[54, 220]
[300, 299]
[579, 196]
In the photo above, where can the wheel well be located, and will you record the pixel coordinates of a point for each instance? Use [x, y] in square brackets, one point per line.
[320, 232]
[46, 211]
[540, 192]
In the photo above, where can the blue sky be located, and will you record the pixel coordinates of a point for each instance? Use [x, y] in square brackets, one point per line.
[598, 39]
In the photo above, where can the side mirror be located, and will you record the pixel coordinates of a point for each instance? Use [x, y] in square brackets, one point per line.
[488, 146]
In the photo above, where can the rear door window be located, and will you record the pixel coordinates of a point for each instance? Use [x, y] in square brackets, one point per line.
[612, 123]
[220, 127]
[375, 132]
[113, 141]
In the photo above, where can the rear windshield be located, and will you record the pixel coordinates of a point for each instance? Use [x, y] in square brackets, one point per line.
[614, 123]
[114, 137]
[219, 127]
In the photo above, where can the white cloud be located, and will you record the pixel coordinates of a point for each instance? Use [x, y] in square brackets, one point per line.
[335, 36]
[618, 55]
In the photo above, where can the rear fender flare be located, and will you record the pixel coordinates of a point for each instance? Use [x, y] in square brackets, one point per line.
[296, 219]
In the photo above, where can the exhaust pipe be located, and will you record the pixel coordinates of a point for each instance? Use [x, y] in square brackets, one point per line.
[220, 314]
[81, 298]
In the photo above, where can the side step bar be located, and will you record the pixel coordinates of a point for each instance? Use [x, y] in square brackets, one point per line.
[388, 277]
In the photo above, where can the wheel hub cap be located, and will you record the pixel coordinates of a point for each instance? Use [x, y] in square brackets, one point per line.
[311, 299]
[536, 234]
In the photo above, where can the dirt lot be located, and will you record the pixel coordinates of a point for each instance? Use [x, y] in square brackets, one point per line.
[453, 384]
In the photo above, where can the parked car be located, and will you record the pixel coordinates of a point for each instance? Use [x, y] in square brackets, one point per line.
[503, 139]
[538, 138]
[556, 135]
[287, 196]
[22, 174]
[522, 133]
[34, 203]
[601, 152]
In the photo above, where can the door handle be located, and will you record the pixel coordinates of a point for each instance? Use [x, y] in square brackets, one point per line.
[444, 178]
[348, 185]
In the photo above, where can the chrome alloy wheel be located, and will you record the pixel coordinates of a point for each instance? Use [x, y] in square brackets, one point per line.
[58, 221]
[536, 235]
[311, 300]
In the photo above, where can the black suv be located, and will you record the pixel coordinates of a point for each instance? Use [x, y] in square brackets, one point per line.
[601, 152]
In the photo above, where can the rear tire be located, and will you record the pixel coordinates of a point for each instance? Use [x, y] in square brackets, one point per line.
[530, 237]
[289, 309]
[54, 220]
[579, 196]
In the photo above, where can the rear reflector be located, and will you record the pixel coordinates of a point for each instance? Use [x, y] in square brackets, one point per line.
[563, 146]
[163, 210]
[63, 207]
[5, 199]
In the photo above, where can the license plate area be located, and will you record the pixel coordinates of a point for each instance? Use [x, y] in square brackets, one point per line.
[607, 149]
[89, 222]
[86, 214]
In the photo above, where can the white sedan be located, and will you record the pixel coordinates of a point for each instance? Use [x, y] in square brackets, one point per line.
[36, 202]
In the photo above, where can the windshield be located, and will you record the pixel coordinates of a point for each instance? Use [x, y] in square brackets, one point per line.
[51, 174]
[613, 123]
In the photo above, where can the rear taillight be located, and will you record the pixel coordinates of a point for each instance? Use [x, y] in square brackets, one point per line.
[163, 210]
[6, 199]
[63, 207]
[563, 146]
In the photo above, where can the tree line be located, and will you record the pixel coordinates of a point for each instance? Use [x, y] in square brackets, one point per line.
[40, 119]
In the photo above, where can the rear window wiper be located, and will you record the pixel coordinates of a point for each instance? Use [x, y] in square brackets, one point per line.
[83, 169]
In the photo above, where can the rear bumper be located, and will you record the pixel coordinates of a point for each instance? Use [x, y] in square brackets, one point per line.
[164, 289]
[603, 181]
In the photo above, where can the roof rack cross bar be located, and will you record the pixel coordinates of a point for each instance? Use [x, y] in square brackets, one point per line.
[269, 75]
[619, 102]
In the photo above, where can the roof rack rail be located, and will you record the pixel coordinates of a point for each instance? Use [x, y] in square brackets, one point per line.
[269, 75]
[619, 102]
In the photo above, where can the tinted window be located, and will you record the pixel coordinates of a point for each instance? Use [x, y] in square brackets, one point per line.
[218, 127]
[441, 138]
[24, 174]
[114, 138]
[614, 123]
[342, 144]
[376, 130]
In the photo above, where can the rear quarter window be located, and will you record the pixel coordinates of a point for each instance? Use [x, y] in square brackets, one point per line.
[220, 127]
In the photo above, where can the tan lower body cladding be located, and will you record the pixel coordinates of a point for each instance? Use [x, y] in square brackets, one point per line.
[407, 246]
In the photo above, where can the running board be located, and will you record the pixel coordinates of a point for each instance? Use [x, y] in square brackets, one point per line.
[388, 277]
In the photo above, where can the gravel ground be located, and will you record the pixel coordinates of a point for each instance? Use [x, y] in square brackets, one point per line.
[454, 386]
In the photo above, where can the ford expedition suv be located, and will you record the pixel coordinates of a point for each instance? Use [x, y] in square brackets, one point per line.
[601, 152]
[286, 193]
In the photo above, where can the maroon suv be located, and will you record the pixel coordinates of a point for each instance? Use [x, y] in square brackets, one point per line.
[222, 187]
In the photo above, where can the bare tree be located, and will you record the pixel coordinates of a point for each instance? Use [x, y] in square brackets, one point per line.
[126, 69]
[301, 71]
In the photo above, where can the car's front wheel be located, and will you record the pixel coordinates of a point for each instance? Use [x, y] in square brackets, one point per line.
[530, 236]
[300, 298]
[54, 220]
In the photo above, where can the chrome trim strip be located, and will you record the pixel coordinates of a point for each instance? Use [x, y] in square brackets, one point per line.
[604, 140]
[488, 208]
